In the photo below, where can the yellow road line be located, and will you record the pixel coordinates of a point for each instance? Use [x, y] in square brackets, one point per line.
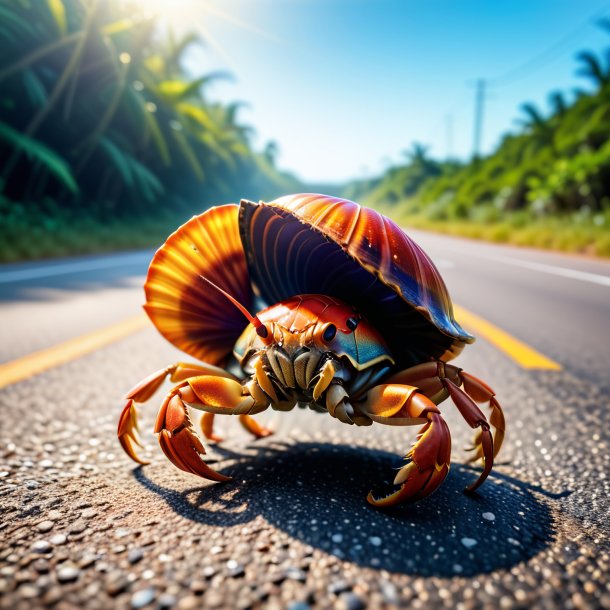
[35, 363]
[523, 354]
[32, 364]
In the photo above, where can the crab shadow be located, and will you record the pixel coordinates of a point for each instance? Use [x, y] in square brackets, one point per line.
[316, 493]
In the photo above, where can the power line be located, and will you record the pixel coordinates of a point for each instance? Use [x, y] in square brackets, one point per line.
[550, 54]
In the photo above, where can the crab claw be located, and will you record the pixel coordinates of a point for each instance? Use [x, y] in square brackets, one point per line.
[127, 431]
[426, 468]
[179, 441]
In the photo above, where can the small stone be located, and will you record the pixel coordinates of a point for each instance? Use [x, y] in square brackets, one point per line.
[198, 587]
[278, 577]
[29, 591]
[88, 513]
[78, 528]
[469, 542]
[375, 540]
[190, 602]
[351, 601]
[166, 600]
[68, 573]
[46, 464]
[135, 555]
[58, 539]
[293, 573]
[489, 516]
[215, 550]
[52, 596]
[42, 546]
[339, 586]
[45, 526]
[116, 583]
[337, 538]
[209, 571]
[143, 597]
[87, 560]
[41, 566]
[234, 568]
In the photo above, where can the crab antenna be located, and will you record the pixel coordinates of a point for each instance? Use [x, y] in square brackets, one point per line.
[261, 329]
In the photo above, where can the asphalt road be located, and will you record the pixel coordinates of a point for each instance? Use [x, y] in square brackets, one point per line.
[81, 527]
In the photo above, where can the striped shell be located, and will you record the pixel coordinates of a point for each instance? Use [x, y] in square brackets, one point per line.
[300, 244]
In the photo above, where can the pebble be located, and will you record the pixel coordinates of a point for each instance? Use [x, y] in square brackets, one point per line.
[45, 526]
[41, 566]
[135, 555]
[166, 600]
[337, 538]
[350, 601]
[42, 546]
[143, 597]
[209, 571]
[68, 573]
[59, 539]
[489, 516]
[339, 586]
[116, 583]
[469, 542]
[375, 540]
[296, 574]
[88, 513]
[198, 587]
[235, 569]
[77, 528]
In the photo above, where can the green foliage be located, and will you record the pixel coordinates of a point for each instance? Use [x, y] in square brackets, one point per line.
[552, 176]
[98, 115]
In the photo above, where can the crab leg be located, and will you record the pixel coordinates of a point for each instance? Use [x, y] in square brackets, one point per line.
[438, 381]
[427, 463]
[249, 423]
[212, 394]
[144, 390]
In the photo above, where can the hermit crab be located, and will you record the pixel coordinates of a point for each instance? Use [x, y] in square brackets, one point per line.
[353, 319]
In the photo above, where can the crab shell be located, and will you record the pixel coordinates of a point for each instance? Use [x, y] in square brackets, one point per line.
[299, 244]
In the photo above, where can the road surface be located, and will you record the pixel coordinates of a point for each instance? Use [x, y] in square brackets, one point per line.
[81, 527]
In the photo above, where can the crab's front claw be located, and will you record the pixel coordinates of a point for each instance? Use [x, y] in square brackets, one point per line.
[127, 431]
[178, 438]
[426, 468]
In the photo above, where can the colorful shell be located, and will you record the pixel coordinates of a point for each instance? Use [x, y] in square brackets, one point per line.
[300, 244]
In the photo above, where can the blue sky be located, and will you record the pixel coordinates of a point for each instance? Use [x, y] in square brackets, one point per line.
[344, 86]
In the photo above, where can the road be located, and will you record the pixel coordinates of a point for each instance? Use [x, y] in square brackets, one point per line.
[81, 527]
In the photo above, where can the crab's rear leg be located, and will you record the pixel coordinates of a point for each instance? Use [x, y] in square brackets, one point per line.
[427, 463]
[144, 390]
[249, 423]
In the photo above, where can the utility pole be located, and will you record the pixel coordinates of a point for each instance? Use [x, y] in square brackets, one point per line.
[479, 103]
[449, 136]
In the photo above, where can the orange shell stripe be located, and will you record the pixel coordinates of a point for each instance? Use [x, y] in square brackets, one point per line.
[188, 312]
[298, 244]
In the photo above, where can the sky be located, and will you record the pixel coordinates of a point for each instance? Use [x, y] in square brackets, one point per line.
[345, 86]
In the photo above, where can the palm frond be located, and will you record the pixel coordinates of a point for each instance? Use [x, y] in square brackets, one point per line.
[37, 151]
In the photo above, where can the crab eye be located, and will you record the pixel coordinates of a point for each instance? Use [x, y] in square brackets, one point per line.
[330, 332]
[262, 331]
[352, 323]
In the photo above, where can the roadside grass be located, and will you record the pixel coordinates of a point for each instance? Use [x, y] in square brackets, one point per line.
[29, 236]
[574, 233]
